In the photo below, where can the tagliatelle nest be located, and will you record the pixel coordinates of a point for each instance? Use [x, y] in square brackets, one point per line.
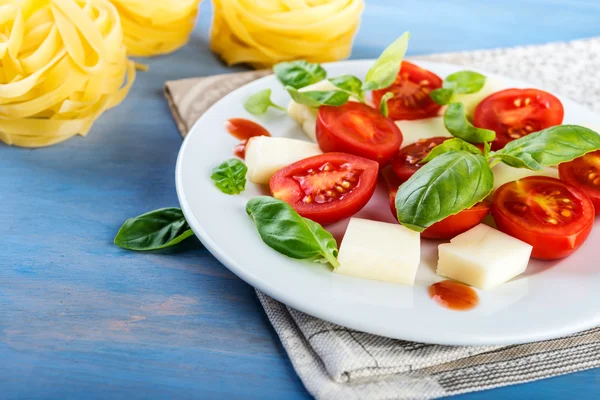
[267, 32]
[153, 27]
[62, 64]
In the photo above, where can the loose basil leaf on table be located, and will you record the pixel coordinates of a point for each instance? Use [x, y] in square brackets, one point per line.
[349, 84]
[548, 147]
[449, 145]
[299, 74]
[446, 185]
[462, 82]
[383, 106]
[318, 98]
[259, 102]
[230, 176]
[285, 231]
[459, 126]
[386, 68]
[155, 230]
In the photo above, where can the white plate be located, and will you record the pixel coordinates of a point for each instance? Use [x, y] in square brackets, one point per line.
[551, 299]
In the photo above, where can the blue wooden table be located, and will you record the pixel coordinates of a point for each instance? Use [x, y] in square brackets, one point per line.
[80, 318]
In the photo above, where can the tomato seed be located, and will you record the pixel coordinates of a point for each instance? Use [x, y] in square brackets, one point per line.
[552, 221]
[596, 181]
[527, 101]
[346, 184]
[592, 176]
[565, 213]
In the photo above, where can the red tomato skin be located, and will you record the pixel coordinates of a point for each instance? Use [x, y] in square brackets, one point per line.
[284, 186]
[545, 246]
[332, 137]
[566, 173]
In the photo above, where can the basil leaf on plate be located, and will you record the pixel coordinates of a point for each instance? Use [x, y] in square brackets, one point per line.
[259, 102]
[299, 74]
[383, 106]
[449, 145]
[442, 96]
[349, 84]
[385, 70]
[457, 124]
[285, 231]
[548, 147]
[230, 176]
[155, 230]
[318, 98]
[461, 82]
[446, 185]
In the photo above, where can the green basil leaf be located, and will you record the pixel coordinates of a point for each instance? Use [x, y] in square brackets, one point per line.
[385, 70]
[285, 231]
[349, 84]
[548, 147]
[155, 230]
[449, 145]
[230, 176]
[457, 124]
[487, 148]
[383, 107]
[464, 82]
[259, 102]
[299, 74]
[318, 98]
[444, 186]
[442, 96]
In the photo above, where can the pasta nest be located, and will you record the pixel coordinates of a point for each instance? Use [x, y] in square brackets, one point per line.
[62, 64]
[263, 33]
[153, 27]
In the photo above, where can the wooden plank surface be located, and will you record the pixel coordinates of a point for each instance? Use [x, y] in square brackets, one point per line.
[80, 318]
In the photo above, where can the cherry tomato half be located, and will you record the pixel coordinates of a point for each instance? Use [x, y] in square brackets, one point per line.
[411, 93]
[358, 129]
[448, 227]
[584, 173]
[514, 113]
[407, 161]
[328, 187]
[551, 215]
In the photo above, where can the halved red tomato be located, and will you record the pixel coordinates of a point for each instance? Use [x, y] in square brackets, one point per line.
[584, 173]
[448, 227]
[514, 113]
[358, 129]
[328, 187]
[407, 161]
[551, 215]
[411, 93]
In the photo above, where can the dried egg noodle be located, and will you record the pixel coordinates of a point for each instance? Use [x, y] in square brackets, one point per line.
[62, 64]
[154, 27]
[265, 32]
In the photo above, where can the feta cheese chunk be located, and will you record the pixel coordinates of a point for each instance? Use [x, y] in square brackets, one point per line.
[471, 101]
[504, 174]
[483, 257]
[266, 155]
[413, 131]
[380, 251]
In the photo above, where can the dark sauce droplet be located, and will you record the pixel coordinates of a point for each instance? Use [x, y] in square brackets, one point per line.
[453, 295]
[244, 129]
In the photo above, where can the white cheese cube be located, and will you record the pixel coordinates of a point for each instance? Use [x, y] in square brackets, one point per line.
[413, 131]
[266, 155]
[483, 257]
[380, 251]
[471, 101]
[504, 174]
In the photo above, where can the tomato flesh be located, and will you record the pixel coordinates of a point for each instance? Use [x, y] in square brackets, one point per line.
[514, 113]
[551, 215]
[584, 173]
[408, 160]
[328, 187]
[358, 129]
[411, 93]
[448, 227]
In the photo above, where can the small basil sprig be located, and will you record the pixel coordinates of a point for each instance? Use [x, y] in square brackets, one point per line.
[548, 147]
[462, 82]
[318, 98]
[259, 102]
[349, 84]
[299, 74]
[459, 126]
[383, 106]
[445, 186]
[386, 68]
[284, 230]
[155, 230]
[449, 145]
[230, 176]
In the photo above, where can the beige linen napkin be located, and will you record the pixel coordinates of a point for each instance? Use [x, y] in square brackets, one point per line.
[339, 363]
